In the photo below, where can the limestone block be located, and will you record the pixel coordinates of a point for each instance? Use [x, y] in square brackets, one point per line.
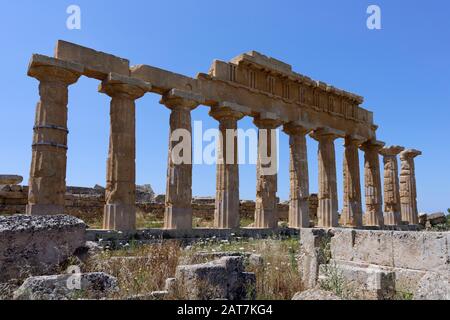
[36, 245]
[362, 281]
[10, 179]
[433, 286]
[437, 218]
[97, 64]
[313, 247]
[367, 246]
[220, 279]
[421, 250]
[67, 287]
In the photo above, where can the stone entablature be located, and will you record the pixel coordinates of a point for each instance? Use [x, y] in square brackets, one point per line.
[275, 78]
[284, 98]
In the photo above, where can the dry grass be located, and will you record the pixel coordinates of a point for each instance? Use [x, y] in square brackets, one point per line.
[144, 269]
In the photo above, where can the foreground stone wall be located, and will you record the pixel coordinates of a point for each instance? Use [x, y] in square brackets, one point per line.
[378, 264]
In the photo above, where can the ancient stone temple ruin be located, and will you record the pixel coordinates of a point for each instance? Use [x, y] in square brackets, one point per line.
[250, 85]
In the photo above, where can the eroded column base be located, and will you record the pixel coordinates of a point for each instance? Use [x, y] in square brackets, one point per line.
[327, 214]
[178, 218]
[266, 219]
[392, 218]
[299, 214]
[119, 217]
[44, 209]
[352, 215]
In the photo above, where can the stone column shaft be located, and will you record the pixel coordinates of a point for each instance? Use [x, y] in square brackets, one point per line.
[299, 178]
[178, 212]
[327, 211]
[266, 213]
[392, 215]
[408, 189]
[120, 196]
[47, 183]
[372, 181]
[226, 214]
[352, 212]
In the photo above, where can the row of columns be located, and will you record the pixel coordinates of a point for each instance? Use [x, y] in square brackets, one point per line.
[48, 167]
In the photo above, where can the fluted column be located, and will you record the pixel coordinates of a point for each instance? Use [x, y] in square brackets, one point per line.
[352, 211]
[266, 213]
[47, 183]
[178, 212]
[327, 211]
[408, 190]
[299, 178]
[392, 215]
[372, 181]
[226, 214]
[120, 196]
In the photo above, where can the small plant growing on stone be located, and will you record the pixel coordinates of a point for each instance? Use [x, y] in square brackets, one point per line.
[334, 281]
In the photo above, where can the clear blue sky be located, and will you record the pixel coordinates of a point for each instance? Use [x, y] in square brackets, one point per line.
[403, 71]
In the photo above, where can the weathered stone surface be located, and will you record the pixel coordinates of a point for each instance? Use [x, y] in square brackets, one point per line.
[36, 245]
[6, 179]
[352, 211]
[178, 214]
[120, 211]
[408, 189]
[266, 215]
[437, 218]
[315, 294]
[433, 286]
[401, 249]
[220, 279]
[96, 64]
[372, 182]
[299, 179]
[392, 215]
[313, 252]
[361, 281]
[226, 215]
[47, 183]
[67, 287]
[327, 211]
[249, 258]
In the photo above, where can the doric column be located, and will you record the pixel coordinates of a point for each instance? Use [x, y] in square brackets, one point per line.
[266, 213]
[178, 213]
[226, 214]
[372, 182]
[120, 211]
[299, 178]
[327, 211]
[392, 216]
[47, 184]
[352, 212]
[408, 190]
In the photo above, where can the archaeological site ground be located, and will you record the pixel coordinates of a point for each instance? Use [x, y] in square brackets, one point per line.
[120, 240]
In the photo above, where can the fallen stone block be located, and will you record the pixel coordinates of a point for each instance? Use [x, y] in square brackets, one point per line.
[95, 285]
[221, 279]
[37, 245]
[10, 179]
[249, 258]
[437, 218]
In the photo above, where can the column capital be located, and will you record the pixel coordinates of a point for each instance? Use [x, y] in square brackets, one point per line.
[46, 68]
[353, 140]
[221, 113]
[294, 128]
[391, 151]
[372, 145]
[176, 98]
[116, 85]
[326, 133]
[410, 154]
